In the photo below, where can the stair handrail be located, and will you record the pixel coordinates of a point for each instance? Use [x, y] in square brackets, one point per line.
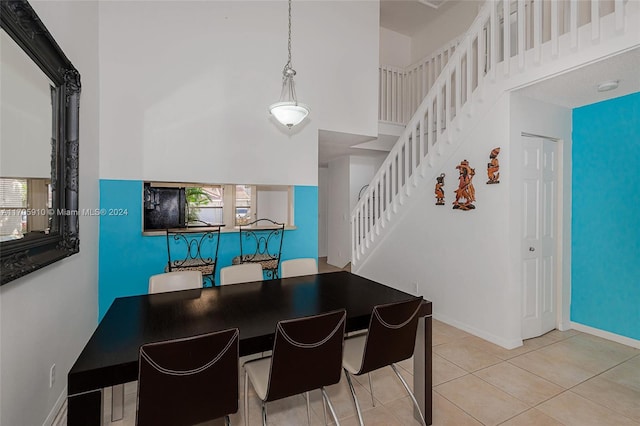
[387, 183]
[441, 105]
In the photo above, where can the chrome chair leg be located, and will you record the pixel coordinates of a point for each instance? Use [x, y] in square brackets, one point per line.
[264, 414]
[325, 397]
[246, 398]
[306, 394]
[373, 401]
[355, 400]
[227, 421]
[413, 398]
[324, 411]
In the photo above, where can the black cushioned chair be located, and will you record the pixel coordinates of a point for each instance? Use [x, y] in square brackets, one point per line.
[188, 381]
[307, 355]
[390, 339]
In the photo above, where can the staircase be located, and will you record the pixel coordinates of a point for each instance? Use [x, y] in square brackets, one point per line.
[468, 76]
[402, 90]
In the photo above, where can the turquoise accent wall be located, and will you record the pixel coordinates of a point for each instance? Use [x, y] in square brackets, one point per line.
[605, 246]
[127, 258]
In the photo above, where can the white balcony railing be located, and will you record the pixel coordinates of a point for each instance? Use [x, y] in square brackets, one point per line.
[401, 90]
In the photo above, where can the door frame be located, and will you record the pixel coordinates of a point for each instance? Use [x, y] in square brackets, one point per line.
[563, 226]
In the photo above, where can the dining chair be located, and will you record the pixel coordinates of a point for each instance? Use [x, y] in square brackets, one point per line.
[189, 380]
[160, 283]
[297, 267]
[194, 249]
[390, 339]
[173, 281]
[243, 273]
[261, 243]
[307, 355]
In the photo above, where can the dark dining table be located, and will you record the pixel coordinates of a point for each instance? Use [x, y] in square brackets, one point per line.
[110, 357]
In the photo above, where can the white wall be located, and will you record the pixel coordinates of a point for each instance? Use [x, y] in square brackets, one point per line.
[346, 177]
[460, 260]
[273, 203]
[361, 171]
[540, 118]
[47, 316]
[185, 87]
[338, 213]
[468, 263]
[453, 22]
[25, 108]
[395, 48]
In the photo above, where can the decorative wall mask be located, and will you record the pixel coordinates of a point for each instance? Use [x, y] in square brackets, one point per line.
[466, 193]
[493, 167]
[439, 191]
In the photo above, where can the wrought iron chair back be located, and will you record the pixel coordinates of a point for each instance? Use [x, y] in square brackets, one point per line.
[194, 249]
[261, 242]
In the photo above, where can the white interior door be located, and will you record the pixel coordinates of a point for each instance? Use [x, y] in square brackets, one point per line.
[539, 236]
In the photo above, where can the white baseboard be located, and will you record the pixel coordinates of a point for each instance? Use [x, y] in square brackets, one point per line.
[512, 344]
[505, 343]
[606, 335]
[60, 405]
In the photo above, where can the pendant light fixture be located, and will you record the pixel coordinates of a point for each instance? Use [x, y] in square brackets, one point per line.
[288, 111]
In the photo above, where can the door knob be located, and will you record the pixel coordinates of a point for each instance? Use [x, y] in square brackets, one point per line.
[532, 249]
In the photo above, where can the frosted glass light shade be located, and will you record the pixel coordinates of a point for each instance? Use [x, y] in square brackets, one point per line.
[289, 113]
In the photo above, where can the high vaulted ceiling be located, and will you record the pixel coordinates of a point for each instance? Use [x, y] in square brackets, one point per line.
[407, 17]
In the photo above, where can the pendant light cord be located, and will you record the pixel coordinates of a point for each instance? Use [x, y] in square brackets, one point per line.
[288, 70]
[288, 88]
[289, 40]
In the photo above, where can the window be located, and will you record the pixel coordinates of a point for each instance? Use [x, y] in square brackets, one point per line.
[24, 207]
[204, 205]
[13, 202]
[245, 204]
[172, 205]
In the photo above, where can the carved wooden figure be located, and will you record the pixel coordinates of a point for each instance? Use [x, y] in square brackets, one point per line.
[439, 191]
[493, 167]
[466, 193]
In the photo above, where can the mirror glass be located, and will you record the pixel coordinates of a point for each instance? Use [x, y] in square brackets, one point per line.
[27, 145]
[39, 145]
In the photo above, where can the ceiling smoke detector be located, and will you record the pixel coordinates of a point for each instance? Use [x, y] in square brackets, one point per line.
[605, 86]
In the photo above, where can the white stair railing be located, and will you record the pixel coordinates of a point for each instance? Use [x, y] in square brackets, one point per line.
[472, 64]
[402, 89]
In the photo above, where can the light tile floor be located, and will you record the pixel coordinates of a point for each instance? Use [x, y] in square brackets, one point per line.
[561, 378]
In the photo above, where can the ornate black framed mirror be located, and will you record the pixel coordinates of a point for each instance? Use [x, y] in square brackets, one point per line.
[38, 207]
